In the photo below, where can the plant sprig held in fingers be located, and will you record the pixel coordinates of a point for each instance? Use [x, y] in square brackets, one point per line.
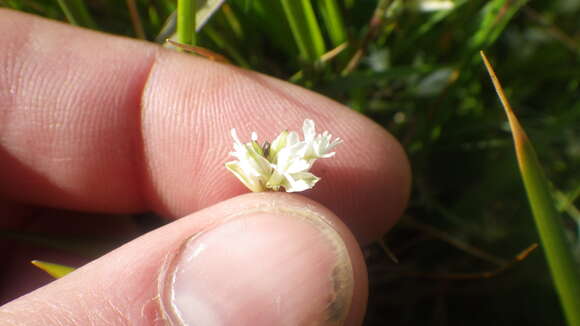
[285, 163]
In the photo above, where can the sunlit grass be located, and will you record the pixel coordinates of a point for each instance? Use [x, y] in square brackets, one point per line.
[565, 270]
[186, 33]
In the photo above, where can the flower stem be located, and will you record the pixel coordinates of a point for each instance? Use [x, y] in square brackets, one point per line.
[186, 12]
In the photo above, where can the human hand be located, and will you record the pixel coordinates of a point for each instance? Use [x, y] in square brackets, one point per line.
[95, 123]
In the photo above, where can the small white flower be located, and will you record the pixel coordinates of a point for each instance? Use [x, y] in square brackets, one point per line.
[283, 164]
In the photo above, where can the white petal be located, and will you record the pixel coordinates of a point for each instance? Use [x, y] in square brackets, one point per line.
[308, 129]
[292, 138]
[275, 181]
[288, 155]
[299, 165]
[259, 163]
[234, 134]
[249, 181]
[277, 145]
[300, 181]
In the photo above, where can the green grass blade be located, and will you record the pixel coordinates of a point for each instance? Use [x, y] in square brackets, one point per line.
[76, 13]
[186, 33]
[305, 28]
[271, 14]
[233, 21]
[54, 270]
[495, 17]
[205, 11]
[332, 18]
[565, 270]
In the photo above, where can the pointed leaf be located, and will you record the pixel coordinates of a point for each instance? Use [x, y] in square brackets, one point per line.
[563, 266]
[54, 270]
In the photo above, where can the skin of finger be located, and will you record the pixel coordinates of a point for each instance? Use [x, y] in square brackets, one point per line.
[122, 286]
[94, 122]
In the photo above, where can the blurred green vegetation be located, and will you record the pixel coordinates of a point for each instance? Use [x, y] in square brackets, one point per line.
[415, 69]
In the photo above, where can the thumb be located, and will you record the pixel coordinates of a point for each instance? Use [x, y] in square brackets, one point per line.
[257, 259]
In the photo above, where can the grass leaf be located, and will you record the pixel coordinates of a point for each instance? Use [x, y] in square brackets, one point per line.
[186, 33]
[305, 29]
[496, 16]
[548, 222]
[205, 11]
[76, 13]
[332, 18]
[54, 270]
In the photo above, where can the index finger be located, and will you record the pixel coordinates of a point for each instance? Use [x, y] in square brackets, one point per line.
[94, 122]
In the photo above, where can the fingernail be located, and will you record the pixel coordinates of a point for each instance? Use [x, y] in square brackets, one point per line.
[261, 268]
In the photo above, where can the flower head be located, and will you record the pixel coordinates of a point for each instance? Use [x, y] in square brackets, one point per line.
[285, 163]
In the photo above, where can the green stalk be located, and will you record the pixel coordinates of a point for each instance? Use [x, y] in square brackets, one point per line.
[186, 12]
[332, 18]
[304, 28]
[565, 270]
[76, 13]
[496, 15]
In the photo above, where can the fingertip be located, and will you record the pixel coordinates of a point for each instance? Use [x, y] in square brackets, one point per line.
[276, 258]
[367, 182]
